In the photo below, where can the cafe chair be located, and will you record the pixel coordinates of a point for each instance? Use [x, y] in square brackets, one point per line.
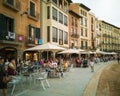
[42, 77]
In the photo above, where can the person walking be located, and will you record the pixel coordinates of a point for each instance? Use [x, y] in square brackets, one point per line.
[118, 58]
[4, 79]
[91, 63]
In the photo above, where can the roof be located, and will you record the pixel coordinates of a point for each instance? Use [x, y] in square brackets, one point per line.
[85, 7]
[74, 13]
[110, 24]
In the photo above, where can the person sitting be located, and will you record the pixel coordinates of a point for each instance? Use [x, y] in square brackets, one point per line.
[42, 62]
[65, 65]
[4, 79]
[12, 67]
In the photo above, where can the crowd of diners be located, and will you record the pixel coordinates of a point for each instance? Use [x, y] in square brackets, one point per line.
[52, 65]
[59, 63]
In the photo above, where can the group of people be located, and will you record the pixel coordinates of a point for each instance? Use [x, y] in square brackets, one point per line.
[8, 69]
[7, 72]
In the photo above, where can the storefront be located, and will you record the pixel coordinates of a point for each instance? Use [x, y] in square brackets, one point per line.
[33, 55]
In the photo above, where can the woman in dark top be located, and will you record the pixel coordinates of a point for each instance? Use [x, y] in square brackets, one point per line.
[3, 77]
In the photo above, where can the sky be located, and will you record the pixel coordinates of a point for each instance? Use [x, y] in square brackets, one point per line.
[107, 10]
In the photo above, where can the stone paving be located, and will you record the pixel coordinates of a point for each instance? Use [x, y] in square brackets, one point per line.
[73, 83]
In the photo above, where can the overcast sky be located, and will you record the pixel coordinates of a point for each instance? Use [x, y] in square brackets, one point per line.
[107, 10]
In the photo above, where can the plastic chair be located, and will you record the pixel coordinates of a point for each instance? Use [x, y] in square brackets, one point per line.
[14, 82]
[43, 78]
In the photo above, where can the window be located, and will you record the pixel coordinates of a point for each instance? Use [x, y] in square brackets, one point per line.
[54, 34]
[10, 2]
[65, 38]
[81, 12]
[65, 6]
[55, 1]
[72, 30]
[76, 22]
[93, 45]
[92, 28]
[82, 46]
[72, 21]
[81, 31]
[86, 22]
[86, 32]
[48, 12]
[60, 3]
[6, 28]
[85, 14]
[75, 31]
[10, 24]
[92, 20]
[75, 43]
[33, 34]
[86, 45]
[60, 17]
[72, 43]
[92, 36]
[81, 21]
[54, 13]
[32, 9]
[60, 37]
[65, 20]
[48, 33]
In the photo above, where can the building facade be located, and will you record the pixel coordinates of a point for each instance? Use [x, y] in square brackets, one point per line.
[92, 31]
[54, 22]
[83, 11]
[109, 37]
[19, 26]
[74, 29]
[84, 22]
[24, 24]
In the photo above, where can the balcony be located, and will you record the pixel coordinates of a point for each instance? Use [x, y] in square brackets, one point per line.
[74, 35]
[15, 5]
[30, 42]
[84, 47]
[104, 35]
[98, 35]
[11, 38]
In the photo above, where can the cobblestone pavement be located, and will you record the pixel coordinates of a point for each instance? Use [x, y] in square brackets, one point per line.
[74, 83]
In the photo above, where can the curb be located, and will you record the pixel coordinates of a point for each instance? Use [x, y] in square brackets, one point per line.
[93, 83]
